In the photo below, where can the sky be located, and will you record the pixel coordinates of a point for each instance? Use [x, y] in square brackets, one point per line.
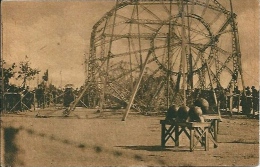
[55, 35]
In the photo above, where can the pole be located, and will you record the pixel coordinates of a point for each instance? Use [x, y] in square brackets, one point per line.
[136, 86]
[190, 76]
[168, 56]
[102, 99]
[183, 53]
[2, 69]
[214, 93]
[235, 30]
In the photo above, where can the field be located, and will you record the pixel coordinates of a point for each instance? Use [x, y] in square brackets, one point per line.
[87, 138]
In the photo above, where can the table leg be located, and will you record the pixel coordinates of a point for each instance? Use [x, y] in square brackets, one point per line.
[163, 130]
[191, 139]
[215, 132]
[206, 139]
[177, 135]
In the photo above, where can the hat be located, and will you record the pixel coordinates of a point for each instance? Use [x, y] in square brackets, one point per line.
[248, 87]
[253, 87]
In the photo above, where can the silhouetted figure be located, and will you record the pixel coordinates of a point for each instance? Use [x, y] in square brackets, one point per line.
[255, 99]
[236, 95]
[249, 99]
[68, 97]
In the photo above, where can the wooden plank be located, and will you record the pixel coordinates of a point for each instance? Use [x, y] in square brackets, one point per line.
[169, 133]
[206, 139]
[191, 139]
[163, 129]
[215, 132]
[177, 134]
[211, 117]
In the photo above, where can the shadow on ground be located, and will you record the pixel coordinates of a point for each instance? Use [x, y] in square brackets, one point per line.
[156, 148]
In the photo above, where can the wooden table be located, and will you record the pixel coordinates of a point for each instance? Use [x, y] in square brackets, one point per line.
[214, 128]
[197, 132]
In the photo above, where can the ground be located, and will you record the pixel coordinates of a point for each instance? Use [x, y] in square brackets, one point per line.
[87, 138]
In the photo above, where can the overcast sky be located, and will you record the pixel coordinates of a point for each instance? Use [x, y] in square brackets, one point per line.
[55, 35]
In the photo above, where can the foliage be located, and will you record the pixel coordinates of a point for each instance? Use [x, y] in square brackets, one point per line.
[45, 76]
[8, 73]
[26, 72]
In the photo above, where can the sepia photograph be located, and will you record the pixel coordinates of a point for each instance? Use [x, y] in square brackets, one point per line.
[129, 83]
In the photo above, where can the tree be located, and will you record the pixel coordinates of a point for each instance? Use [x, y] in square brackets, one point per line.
[8, 74]
[26, 72]
[45, 76]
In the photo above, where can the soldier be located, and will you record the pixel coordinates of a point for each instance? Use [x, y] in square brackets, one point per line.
[236, 95]
[255, 99]
[246, 102]
[227, 100]
[249, 99]
[68, 97]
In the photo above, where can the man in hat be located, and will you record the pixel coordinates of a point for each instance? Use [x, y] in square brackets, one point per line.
[246, 101]
[254, 99]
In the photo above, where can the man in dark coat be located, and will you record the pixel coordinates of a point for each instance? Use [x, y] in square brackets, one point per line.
[255, 99]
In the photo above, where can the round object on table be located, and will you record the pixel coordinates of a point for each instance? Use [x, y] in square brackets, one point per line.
[172, 112]
[183, 113]
[203, 104]
[195, 113]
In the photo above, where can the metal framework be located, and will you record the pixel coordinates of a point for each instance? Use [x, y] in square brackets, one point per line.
[149, 54]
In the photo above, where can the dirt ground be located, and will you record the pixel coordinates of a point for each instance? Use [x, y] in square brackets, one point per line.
[89, 138]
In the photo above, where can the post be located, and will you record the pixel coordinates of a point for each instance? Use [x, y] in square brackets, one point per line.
[231, 97]
[102, 98]
[183, 53]
[177, 142]
[191, 138]
[2, 70]
[238, 104]
[2, 161]
[163, 134]
[136, 87]
[206, 129]
[214, 93]
[169, 38]
[215, 123]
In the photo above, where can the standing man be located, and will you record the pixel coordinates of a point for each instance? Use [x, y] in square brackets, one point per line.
[254, 100]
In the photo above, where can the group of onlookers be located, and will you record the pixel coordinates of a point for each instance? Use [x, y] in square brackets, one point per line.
[20, 99]
[246, 101]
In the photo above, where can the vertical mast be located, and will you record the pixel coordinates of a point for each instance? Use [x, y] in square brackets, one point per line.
[139, 35]
[1, 66]
[190, 76]
[103, 92]
[238, 53]
[183, 52]
[168, 56]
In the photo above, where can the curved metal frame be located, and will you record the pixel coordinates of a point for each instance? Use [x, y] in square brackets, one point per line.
[135, 73]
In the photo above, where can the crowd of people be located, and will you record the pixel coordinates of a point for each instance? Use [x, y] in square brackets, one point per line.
[22, 99]
[246, 102]
[250, 101]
